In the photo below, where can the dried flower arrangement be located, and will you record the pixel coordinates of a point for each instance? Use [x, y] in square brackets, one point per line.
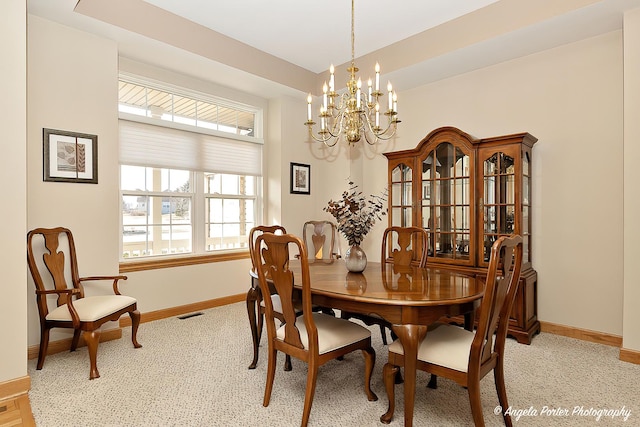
[355, 214]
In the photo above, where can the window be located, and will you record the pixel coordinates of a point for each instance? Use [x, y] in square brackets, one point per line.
[190, 180]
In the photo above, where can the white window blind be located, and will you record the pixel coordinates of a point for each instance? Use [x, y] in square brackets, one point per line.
[143, 144]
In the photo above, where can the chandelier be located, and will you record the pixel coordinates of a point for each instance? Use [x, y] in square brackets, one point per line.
[355, 113]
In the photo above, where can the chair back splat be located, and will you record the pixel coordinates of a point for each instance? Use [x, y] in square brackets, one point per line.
[312, 337]
[405, 246]
[255, 303]
[466, 356]
[319, 238]
[51, 256]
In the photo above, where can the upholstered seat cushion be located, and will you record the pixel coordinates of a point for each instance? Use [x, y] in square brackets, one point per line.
[276, 302]
[333, 332]
[445, 345]
[92, 308]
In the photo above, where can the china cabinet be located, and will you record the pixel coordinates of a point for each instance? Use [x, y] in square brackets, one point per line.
[467, 192]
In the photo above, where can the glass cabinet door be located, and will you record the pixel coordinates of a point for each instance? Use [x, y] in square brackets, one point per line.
[499, 202]
[446, 209]
[401, 196]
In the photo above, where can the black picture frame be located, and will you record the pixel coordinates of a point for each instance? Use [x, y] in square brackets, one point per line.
[69, 156]
[300, 178]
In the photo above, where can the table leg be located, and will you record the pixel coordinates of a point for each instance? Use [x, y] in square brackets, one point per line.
[253, 295]
[410, 336]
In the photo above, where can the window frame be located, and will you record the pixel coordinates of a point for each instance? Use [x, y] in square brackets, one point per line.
[199, 254]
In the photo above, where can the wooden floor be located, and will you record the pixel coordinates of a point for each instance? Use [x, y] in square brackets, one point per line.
[16, 412]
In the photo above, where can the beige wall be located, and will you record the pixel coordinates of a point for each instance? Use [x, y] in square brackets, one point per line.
[13, 216]
[631, 329]
[571, 98]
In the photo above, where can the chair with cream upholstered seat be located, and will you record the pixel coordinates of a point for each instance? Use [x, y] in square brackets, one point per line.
[314, 338]
[51, 256]
[402, 248]
[464, 356]
[255, 299]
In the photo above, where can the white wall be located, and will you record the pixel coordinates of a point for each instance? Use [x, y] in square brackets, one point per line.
[13, 217]
[570, 98]
[631, 330]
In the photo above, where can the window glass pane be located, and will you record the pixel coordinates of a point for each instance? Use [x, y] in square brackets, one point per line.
[489, 190]
[407, 217]
[230, 184]
[491, 165]
[230, 210]
[396, 194]
[508, 189]
[445, 159]
[133, 178]
[508, 164]
[215, 210]
[396, 217]
[207, 115]
[159, 104]
[184, 110]
[462, 163]
[250, 186]
[506, 219]
[179, 180]
[427, 167]
[490, 225]
[407, 199]
[426, 218]
[249, 211]
[181, 210]
[462, 246]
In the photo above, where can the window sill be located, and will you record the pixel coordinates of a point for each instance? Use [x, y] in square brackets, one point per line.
[155, 263]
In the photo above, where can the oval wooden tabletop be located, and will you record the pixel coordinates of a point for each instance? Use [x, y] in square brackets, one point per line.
[411, 286]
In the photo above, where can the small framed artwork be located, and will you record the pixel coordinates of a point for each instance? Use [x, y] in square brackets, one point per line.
[300, 178]
[70, 156]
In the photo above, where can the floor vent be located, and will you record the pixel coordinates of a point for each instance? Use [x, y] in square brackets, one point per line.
[187, 316]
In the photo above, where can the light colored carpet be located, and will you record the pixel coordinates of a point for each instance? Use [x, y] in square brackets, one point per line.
[194, 372]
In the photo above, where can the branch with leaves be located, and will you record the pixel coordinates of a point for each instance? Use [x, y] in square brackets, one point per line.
[356, 214]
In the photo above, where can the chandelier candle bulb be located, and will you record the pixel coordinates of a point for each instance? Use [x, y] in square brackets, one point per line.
[309, 107]
[370, 89]
[324, 94]
[358, 94]
[377, 77]
[390, 89]
[395, 102]
[377, 115]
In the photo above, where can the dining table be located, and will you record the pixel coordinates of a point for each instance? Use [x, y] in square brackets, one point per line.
[409, 298]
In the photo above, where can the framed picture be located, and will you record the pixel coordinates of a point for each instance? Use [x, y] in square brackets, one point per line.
[70, 156]
[300, 178]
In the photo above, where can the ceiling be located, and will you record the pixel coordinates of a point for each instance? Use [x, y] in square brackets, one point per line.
[286, 46]
[315, 34]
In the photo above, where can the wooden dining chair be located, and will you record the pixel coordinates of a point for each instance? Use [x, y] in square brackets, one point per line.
[314, 338]
[51, 256]
[319, 238]
[402, 248]
[255, 300]
[465, 356]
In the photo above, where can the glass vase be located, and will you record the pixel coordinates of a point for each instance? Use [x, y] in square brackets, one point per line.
[355, 259]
